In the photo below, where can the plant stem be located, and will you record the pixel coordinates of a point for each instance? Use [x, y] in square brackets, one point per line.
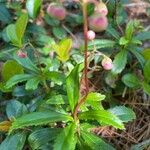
[85, 28]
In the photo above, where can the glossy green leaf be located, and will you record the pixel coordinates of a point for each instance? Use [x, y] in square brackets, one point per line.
[56, 100]
[119, 62]
[100, 43]
[147, 71]
[146, 87]
[93, 96]
[32, 84]
[131, 80]
[40, 137]
[102, 116]
[95, 142]
[72, 86]
[123, 41]
[66, 140]
[21, 26]
[15, 109]
[33, 7]
[17, 79]
[14, 142]
[39, 118]
[129, 30]
[59, 32]
[123, 113]
[146, 53]
[11, 68]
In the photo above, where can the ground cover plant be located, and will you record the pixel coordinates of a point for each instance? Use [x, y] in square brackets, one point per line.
[62, 66]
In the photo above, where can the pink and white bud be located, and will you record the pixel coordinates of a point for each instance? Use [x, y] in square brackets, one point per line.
[107, 63]
[57, 11]
[90, 35]
[102, 9]
[21, 54]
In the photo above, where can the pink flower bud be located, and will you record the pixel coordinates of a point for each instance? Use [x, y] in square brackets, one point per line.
[57, 11]
[21, 54]
[107, 63]
[98, 22]
[102, 9]
[90, 35]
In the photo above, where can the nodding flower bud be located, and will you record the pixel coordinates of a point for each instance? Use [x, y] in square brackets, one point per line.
[90, 35]
[107, 63]
[102, 9]
[98, 23]
[57, 11]
[21, 54]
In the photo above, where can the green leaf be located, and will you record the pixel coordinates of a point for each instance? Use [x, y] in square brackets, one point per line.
[11, 68]
[32, 84]
[123, 113]
[147, 71]
[119, 62]
[146, 53]
[123, 41]
[113, 32]
[21, 26]
[15, 109]
[14, 142]
[95, 142]
[41, 137]
[146, 87]
[33, 7]
[39, 118]
[11, 33]
[142, 36]
[72, 86]
[102, 116]
[17, 79]
[59, 32]
[27, 63]
[138, 55]
[63, 49]
[66, 140]
[100, 43]
[131, 80]
[129, 30]
[4, 14]
[56, 100]
[93, 96]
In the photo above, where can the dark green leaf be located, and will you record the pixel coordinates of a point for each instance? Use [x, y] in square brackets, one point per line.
[59, 32]
[39, 118]
[15, 109]
[131, 81]
[14, 142]
[123, 113]
[66, 140]
[72, 85]
[33, 7]
[119, 62]
[102, 116]
[147, 71]
[143, 36]
[41, 137]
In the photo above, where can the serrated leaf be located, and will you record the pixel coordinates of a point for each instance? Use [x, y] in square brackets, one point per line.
[15, 109]
[68, 142]
[14, 142]
[147, 71]
[33, 7]
[123, 113]
[123, 41]
[100, 43]
[102, 116]
[95, 142]
[93, 96]
[131, 80]
[17, 79]
[32, 84]
[21, 26]
[39, 118]
[119, 62]
[41, 137]
[11, 68]
[72, 86]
